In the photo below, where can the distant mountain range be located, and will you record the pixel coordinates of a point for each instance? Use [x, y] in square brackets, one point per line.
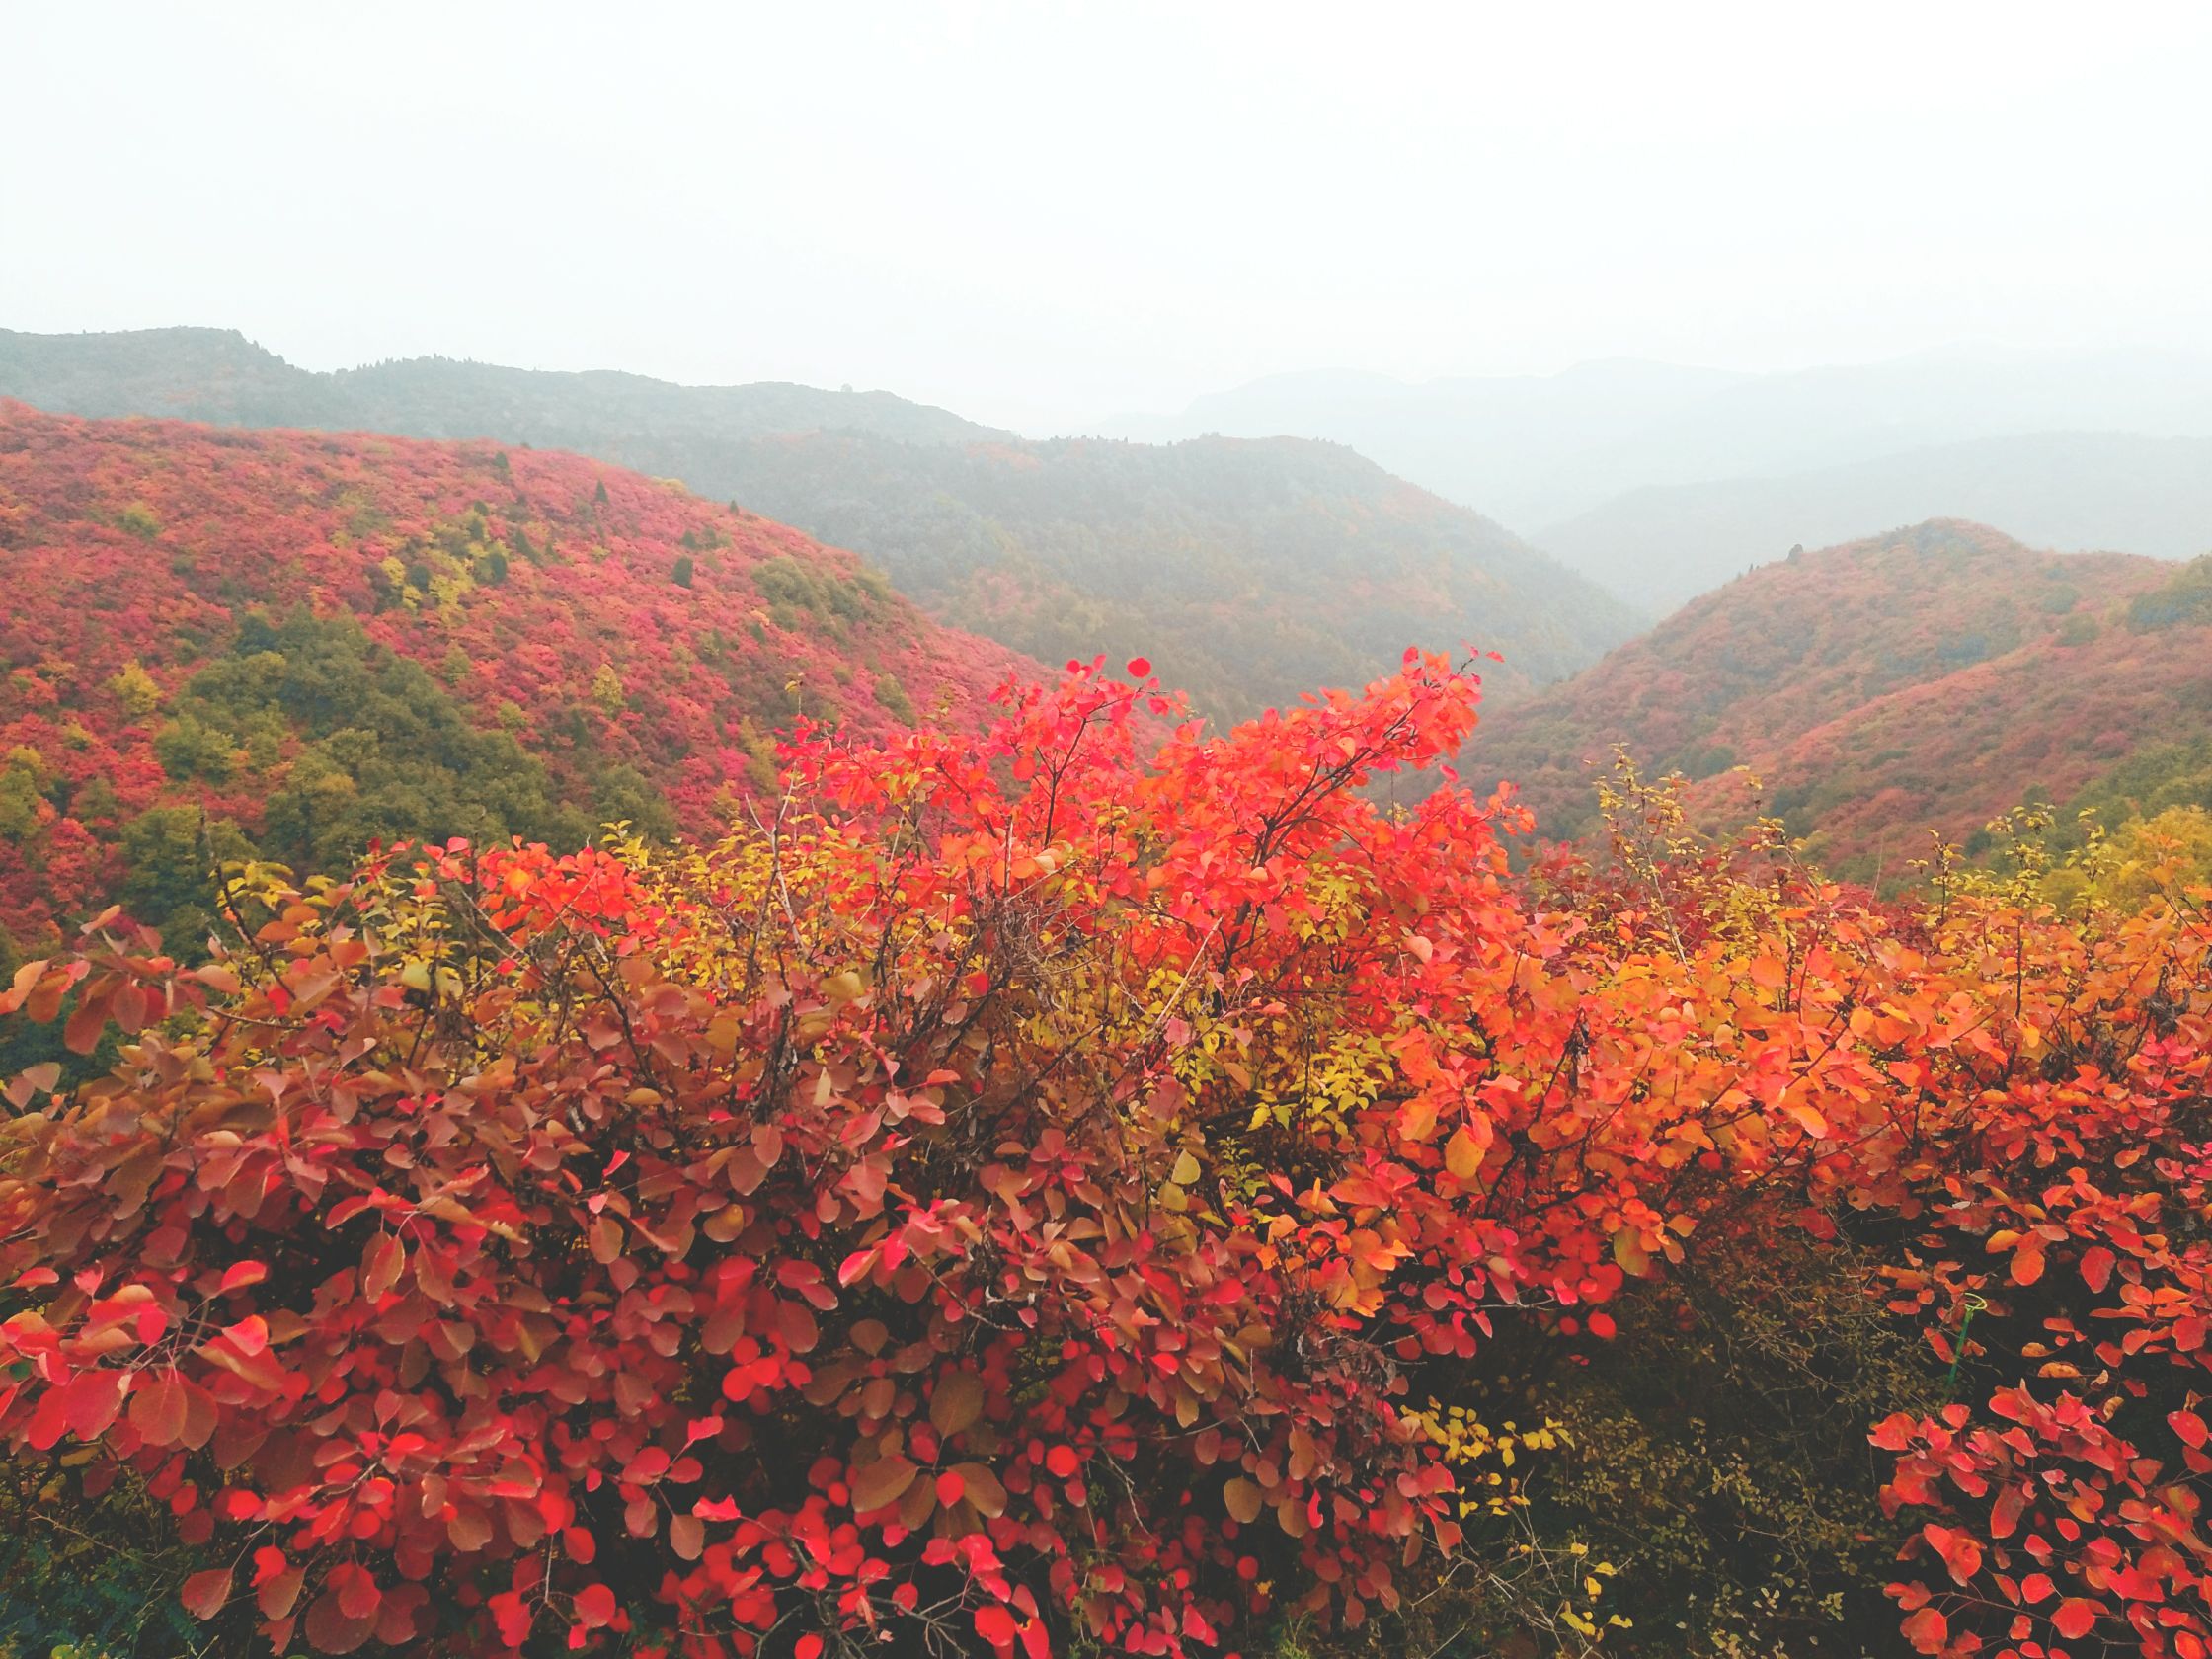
[220, 375]
[1247, 573]
[1926, 680]
[1660, 546]
[1660, 481]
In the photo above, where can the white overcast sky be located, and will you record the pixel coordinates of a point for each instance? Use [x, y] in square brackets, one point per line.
[1042, 213]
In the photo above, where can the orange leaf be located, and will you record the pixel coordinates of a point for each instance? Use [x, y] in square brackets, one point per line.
[1807, 1118]
[1244, 1499]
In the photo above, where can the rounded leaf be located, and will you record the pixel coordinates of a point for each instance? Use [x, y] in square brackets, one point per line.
[205, 1593]
[957, 1403]
[2075, 1618]
[880, 1484]
[594, 1606]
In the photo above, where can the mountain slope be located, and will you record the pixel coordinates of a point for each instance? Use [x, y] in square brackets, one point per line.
[1246, 572]
[1929, 679]
[316, 639]
[1661, 546]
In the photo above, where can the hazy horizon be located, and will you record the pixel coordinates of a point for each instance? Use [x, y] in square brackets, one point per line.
[1041, 219]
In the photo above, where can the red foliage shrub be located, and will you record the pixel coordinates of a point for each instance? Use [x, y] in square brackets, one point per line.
[1029, 1186]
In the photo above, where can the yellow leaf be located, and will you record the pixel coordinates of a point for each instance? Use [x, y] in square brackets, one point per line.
[1462, 1155]
[1185, 1172]
[1629, 1252]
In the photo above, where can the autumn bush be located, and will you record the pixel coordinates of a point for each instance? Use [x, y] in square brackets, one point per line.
[1108, 1186]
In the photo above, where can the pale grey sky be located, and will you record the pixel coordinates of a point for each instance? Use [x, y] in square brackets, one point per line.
[1039, 214]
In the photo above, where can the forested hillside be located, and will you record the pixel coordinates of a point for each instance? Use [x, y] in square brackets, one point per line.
[1249, 572]
[1931, 678]
[220, 642]
[1246, 572]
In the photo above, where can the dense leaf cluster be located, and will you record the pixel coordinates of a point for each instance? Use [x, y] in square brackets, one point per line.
[1077, 1186]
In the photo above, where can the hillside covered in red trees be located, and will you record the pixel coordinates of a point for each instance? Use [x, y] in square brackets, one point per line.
[1250, 572]
[226, 641]
[1932, 679]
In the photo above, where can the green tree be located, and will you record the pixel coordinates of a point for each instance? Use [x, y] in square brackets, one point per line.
[174, 854]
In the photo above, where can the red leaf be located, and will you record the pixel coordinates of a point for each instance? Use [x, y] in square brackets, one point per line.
[205, 1593]
[2096, 1267]
[280, 1594]
[1960, 1553]
[1927, 1630]
[89, 1401]
[330, 1629]
[687, 1537]
[358, 1594]
[157, 1408]
[2075, 1618]
[244, 1273]
[594, 1606]
[996, 1627]
[382, 1263]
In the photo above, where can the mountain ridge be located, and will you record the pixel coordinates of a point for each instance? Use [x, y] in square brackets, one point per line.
[1929, 679]
[1248, 574]
[2077, 492]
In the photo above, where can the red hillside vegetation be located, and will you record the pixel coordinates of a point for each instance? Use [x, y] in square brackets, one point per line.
[503, 640]
[1926, 680]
